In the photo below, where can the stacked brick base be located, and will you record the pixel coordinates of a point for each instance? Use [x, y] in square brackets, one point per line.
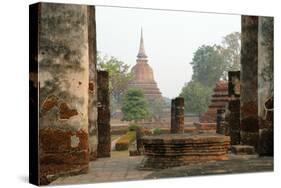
[172, 150]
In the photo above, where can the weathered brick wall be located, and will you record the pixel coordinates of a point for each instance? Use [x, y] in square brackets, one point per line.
[104, 138]
[63, 61]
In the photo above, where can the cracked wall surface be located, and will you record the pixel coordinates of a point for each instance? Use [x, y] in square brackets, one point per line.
[66, 65]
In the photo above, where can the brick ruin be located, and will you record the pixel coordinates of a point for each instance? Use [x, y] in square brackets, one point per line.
[104, 140]
[65, 120]
[208, 121]
[69, 99]
[179, 148]
[143, 77]
[177, 115]
[249, 112]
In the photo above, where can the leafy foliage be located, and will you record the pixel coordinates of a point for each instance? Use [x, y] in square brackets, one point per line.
[156, 108]
[135, 106]
[231, 51]
[133, 127]
[208, 65]
[119, 77]
[124, 141]
[196, 97]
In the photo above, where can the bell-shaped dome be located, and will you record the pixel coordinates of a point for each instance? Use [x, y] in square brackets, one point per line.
[142, 72]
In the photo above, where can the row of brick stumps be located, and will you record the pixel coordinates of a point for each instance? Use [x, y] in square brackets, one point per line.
[177, 115]
[104, 138]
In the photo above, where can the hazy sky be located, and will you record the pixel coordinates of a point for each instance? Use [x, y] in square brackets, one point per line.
[170, 39]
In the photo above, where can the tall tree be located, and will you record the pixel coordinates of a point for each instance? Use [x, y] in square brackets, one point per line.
[196, 97]
[135, 106]
[119, 77]
[156, 108]
[208, 65]
[231, 50]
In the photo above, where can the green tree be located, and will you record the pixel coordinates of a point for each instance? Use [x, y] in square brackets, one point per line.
[119, 77]
[208, 65]
[231, 51]
[156, 108]
[135, 106]
[196, 97]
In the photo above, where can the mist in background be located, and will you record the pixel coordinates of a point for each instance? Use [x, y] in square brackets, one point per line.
[170, 39]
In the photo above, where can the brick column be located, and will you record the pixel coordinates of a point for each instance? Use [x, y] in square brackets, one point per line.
[234, 106]
[249, 81]
[177, 115]
[234, 121]
[139, 135]
[104, 137]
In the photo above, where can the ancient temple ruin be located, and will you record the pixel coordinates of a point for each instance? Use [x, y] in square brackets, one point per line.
[143, 77]
[69, 99]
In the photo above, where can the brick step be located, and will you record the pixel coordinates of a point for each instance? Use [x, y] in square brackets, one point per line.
[243, 150]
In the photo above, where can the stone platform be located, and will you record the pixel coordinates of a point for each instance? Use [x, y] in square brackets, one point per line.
[170, 150]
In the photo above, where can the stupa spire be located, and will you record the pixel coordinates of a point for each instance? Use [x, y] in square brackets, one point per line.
[141, 53]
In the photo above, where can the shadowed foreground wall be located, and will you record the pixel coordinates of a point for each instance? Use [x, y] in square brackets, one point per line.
[66, 77]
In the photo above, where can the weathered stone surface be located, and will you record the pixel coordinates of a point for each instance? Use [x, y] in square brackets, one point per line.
[169, 150]
[234, 84]
[266, 85]
[92, 90]
[63, 77]
[220, 121]
[205, 127]
[233, 121]
[177, 119]
[60, 154]
[243, 150]
[104, 138]
[249, 81]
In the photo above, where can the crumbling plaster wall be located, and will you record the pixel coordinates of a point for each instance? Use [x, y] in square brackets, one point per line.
[63, 60]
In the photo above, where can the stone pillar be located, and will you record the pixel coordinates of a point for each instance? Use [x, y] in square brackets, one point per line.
[92, 107]
[104, 138]
[249, 81]
[177, 112]
[234, 121]
[234, 106]
[220, 121]
[265, 91]
[63, 80]
[139, 135]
